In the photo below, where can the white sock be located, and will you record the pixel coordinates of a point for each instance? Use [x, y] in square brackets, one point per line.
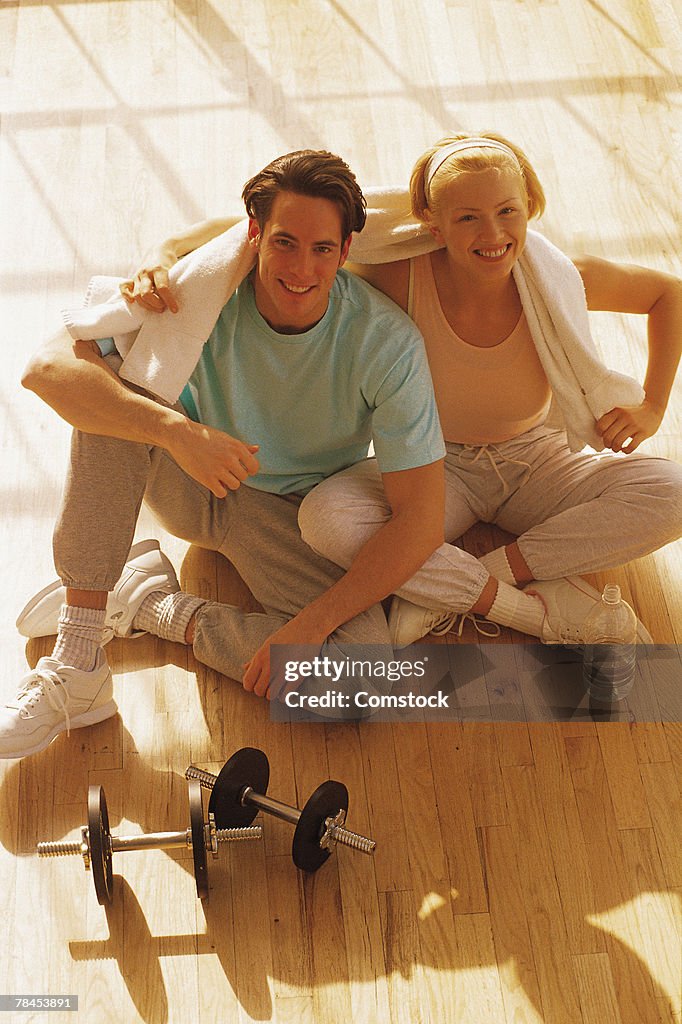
[517, 610]
[497, 564]
[167, 615]
[79, 636]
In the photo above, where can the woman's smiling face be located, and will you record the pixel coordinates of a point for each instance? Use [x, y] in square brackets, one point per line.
[482, 219]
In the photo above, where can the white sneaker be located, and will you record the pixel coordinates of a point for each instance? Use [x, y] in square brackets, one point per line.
[53, 698]
[409, 622]
[147, 570]
[567, 603]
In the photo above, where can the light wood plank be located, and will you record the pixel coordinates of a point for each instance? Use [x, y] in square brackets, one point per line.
[652, 923]
[662, 789]
[622, 771]
[597, 993]
[612, 880]
[486, 777]
[402, 955]
[508, 917]
[570, 855]
[291, 955]
[546, 923]
[364, 947]
[429, 868]
[479, 991]
[458, 827]
[385, 807]
[253, 953]
[325, 924]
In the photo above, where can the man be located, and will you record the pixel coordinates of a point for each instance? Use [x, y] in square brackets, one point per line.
[305, 366]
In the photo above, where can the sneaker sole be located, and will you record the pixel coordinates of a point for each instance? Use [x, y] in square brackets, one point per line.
[141, 548]
[88, 718]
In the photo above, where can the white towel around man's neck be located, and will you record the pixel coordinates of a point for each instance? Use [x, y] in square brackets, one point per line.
[161, 350]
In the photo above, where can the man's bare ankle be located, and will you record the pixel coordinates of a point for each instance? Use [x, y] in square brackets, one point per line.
[86, 598]
[486, 598]
[518, 565]
[191, 627]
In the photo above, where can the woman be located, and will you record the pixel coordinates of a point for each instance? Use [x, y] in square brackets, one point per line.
[491, 304]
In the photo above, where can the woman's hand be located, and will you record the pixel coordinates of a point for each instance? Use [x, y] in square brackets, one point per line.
[631, 424]
[149, 285]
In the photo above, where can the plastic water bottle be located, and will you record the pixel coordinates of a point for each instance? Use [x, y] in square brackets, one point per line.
[609, 655]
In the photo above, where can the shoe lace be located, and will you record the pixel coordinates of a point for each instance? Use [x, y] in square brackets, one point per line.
[570, 634]
[447, 622]
[43, 682]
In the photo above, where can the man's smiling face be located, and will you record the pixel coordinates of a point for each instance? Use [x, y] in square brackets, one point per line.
[299, 251]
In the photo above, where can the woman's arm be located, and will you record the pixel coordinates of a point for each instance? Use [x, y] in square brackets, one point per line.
[149, 284]
[390, 278]
[625, 288]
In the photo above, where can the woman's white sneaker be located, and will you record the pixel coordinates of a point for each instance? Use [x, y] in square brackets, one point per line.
[54, 698]
[567, 603]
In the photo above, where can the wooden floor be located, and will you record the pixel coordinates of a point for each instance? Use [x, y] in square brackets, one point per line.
[525, 873]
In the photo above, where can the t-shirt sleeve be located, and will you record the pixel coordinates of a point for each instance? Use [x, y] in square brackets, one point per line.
[106, 346]
[405, 425]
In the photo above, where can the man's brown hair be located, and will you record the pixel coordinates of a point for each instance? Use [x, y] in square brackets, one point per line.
[307, 172]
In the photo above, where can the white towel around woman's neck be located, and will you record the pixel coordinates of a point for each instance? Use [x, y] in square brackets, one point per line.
[161, 350]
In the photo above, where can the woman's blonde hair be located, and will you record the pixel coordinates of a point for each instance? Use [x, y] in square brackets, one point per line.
[425, 196]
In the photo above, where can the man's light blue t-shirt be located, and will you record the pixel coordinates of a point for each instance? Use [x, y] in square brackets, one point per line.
[313, 402]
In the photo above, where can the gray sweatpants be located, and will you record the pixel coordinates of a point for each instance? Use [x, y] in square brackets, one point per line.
[258, 532]
[573, 512]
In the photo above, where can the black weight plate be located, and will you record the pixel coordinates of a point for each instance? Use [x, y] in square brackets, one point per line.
[327, 800]
[247, 767]
[196, 821]
[100, 846]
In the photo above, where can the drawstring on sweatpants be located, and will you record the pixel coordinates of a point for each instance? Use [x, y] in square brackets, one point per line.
[487, 450]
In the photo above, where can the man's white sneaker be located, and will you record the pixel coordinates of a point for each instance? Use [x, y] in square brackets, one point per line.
[146, 571]
[567, 604]
[409, 622]
[53, 698]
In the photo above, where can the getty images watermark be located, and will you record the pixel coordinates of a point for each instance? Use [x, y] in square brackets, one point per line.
[334, 675]
[456, 682]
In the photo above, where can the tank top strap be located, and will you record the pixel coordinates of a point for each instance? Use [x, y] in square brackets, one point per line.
[410, 288]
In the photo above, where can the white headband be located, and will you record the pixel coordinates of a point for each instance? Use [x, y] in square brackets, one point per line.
[441, 155]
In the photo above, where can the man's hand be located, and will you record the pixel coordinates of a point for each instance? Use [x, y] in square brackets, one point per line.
[634, 422]
[213, 458]
[151, 289]
[380, 567]
[257, 678]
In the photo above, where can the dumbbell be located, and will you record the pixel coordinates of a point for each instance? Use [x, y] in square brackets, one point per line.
[97, 844]
[238, 793]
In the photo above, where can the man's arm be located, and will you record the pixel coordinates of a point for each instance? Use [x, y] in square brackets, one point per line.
[73, 378]
[389, 558]
[625, 288]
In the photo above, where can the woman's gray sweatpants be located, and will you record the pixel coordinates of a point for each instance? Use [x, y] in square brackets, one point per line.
[572, 512]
